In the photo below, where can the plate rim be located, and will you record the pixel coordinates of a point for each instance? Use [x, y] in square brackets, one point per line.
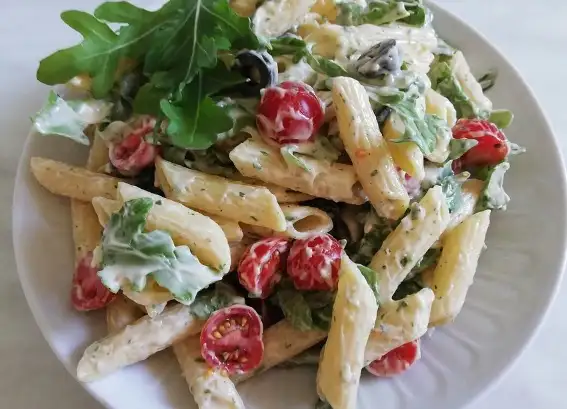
[485, 385]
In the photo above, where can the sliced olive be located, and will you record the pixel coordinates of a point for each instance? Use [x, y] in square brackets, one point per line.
[259, 69]
[380, 59]
[382, 115]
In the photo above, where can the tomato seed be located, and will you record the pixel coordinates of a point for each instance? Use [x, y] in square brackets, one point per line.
[217, 335]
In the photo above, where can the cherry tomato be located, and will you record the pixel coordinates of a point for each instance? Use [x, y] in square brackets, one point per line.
[314, 263]
[88, 293]
[133, 153]
[492, 146]
[396, 361]
[261, 266]
[290, 112]
[231, 339]
[412, 185]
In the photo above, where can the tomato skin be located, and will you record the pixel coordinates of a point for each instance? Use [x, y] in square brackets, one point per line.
[492, 145]
[133, 153]
[396, 361]
[289, 112]
[88, 292]
[314, 263]
[261, 266]
[231, 339]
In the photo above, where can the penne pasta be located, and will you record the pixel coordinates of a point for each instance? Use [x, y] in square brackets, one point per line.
[302, 222]
[275, 17]
[436, 104]
[470, 192]
[137, 342]
[334, 181]
[202, 235]
[244, 8]
[407, 244]
[406, 155]
[398, 323]
[281, 342]
[86, 228]
[219, 196]
[354, 315]
[71, 181]
[210, 387]
[230, 228]
[367, 149]
[120, 313]
[456, 268]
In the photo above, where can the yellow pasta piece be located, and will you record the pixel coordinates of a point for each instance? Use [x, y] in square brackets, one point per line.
[456, 268]
[219, 196]
[275, 17]
[120, 313]
[469, 83]
[367, 149]
[406, 155]
[334, 181]
[437, 104]
[407, 244]
[71, 181]
[244, 8]
[302, 222]
[86, 229]
[470, 192]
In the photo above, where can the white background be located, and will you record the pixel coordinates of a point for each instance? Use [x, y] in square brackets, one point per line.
[532, 34]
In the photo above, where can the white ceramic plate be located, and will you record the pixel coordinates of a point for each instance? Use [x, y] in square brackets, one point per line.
[514, 285]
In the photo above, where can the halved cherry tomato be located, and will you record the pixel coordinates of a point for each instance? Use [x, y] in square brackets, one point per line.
[87, 292]
[492, 146]
[261, 265]
[133, 153]
[314, 263]
[290, 112]
[396, 361]
[231, 339]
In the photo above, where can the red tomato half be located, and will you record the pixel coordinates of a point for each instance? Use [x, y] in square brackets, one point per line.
[133, 153]
[261, 266]
[492, 146]
[231, 339]
[290, 112]
[314, 263]
[396, 361]
[88, 293]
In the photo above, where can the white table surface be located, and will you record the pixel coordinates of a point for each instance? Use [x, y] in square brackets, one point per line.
[528, 32]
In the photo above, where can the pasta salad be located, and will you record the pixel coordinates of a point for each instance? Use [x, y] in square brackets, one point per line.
[271, 184]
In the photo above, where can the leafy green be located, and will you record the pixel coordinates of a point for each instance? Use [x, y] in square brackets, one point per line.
[299, 49]
[371, 278]
[288, 154]
[321, 404]
[444, 81]
[493, 195]
[306, 310]
[429, 259]
[381, 12]
[129, 255]
[451, 187]
[458, 147]
[488, 80]
[209, 301]
[408, 287]
[69, 118]
[372, 241]
[502, 118]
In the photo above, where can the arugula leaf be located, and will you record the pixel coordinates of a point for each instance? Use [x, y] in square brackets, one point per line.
[408, 287]
[122, 12]
[299, 49]
[287, 152]
[488, 80]
[129, 255]
[306, 310]
[428, 260]
[372, 240]
[379, 12]
[502, 118]
[209, 301]
[458, 147]
[452, 189]
[493, 195]
[371, 278]
[69, 118]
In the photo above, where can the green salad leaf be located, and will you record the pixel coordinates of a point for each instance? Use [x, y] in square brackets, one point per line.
[288, 154]
[129, 256]
[493, 195]
[306, 310]
[372, 241]
[69, 118]
[209, 301]
[371, 278]
[451, 186]
[502, 118]
[458, 147]
[379, 12]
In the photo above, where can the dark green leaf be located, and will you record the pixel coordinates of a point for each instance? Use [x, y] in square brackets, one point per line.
[371, 241]
[428, 260]
[321, 404]
[408, 287]
[381, 12]
[121, 12]
[371, 278]
[458, 147]
[295, 309]
[488, 80]
[452, 189]
[209, 301]
[148, 99]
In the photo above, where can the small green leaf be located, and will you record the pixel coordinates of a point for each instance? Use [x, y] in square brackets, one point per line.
[148, 100]
[452, 189]
[381, 12]
[288, 154]
[209, 301]
[493, 195]
[502, 118]
[371, 278]
[295, 309]
[458, 147]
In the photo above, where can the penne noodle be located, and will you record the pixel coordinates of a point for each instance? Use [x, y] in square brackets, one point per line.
[281, 342]
[354, 315]
[367, 149]
[275, 17]
[456, 268]
[470, 192]
[86, 228]
[219, 196]
[120, 313]
[230, 228]
[407, 244]
[436, 104]
[71, 181]
[406, 155]
[334, 181]
[98, 155]
[202, 235]
[211, 388]
[302, 222]
[244, 8]
[398, 323]
[137, 342]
